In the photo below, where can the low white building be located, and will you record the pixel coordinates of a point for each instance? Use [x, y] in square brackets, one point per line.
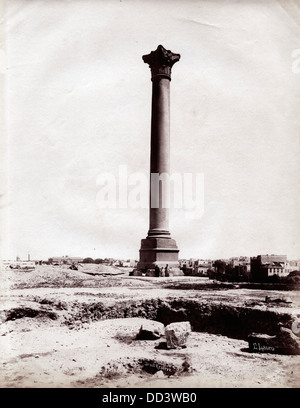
[69, 260]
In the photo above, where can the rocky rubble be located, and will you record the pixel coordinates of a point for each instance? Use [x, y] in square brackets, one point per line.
[150, 330]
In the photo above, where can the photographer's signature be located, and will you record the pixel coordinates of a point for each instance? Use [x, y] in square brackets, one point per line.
[262, 347]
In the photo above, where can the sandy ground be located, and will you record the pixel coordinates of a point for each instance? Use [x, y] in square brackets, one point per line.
[42, 352]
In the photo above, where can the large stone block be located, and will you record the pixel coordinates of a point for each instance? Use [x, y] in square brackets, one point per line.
[285, 342]
[150, 330]
[177, 334]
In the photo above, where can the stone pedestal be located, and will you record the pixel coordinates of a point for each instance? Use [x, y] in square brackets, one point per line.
[158, 252]
[159, 249]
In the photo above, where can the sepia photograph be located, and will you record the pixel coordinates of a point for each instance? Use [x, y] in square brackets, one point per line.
[150, 195]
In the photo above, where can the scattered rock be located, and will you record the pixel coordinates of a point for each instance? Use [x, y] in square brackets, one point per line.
[150, 330]
[268, 299]
[159, 374]
[285, 342]
[2, 316]
[177, 334]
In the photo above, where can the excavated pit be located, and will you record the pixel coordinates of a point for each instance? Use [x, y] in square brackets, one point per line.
[211, 317]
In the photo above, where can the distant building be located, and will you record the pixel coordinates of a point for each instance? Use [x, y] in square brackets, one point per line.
[264, 266]
[130, 263]
[195, 267]
[293, 266]
[241, 265]
[118, 262]
[201, 267]
[61, 260]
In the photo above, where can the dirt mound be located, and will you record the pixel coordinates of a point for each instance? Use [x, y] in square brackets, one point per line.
[45, 276]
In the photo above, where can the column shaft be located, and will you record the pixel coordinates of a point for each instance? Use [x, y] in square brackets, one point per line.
[160, 156]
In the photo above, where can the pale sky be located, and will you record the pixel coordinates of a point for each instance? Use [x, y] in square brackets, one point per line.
[77, 103]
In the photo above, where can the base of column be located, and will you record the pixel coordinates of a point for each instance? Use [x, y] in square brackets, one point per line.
[158, 233]
[159, 252]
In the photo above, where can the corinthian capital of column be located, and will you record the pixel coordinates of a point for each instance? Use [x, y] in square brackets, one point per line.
[161, 62]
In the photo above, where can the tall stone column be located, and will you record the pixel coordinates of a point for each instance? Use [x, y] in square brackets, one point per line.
[159, 249]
